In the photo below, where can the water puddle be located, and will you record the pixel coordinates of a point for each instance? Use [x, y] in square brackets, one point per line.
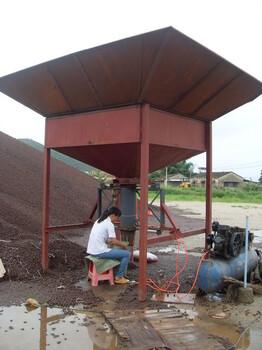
[222, 328]
[250, 341]
[170, 248]
[52, 328]
[173, 248]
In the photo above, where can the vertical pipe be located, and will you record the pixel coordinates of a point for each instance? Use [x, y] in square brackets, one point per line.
[208, 180]
[144, 170]
[246, 254]
[117, 203]
[128, 206]
[45, 223]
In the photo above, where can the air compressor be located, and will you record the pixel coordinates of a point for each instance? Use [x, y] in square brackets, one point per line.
[227, 241]
[227, 257]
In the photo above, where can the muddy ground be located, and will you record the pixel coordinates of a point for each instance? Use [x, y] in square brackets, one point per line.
[72, 197]
[24, 277]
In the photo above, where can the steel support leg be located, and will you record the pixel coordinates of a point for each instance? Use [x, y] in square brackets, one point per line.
[144, 169]
[208, 180]
[45, 224]
[162, 213]
[99, 206]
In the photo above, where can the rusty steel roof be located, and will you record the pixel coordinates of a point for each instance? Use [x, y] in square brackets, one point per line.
[164, 68]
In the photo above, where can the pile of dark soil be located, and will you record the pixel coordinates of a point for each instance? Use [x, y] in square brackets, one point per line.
[72, 196]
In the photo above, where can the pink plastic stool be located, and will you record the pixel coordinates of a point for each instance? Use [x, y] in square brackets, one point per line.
[95, 277]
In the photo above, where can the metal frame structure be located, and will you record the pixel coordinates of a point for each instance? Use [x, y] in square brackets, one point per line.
[129, 108]
[147, 132]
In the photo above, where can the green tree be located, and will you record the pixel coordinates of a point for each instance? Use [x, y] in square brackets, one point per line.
[185, 168]
[260, 179]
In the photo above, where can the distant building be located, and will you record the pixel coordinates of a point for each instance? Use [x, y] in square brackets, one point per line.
[174, 180]
[219, 180]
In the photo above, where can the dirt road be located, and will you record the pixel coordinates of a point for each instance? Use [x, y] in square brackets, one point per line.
[233, 214]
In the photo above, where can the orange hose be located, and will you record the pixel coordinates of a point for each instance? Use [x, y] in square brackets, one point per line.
[152, 284]
[196, 275]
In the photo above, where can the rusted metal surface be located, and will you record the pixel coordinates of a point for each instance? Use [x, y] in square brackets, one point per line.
[69, 227]
[163, 68]
[174, 236]
[111, 140]
[170, 218]
[109, 127]
[45, 223]
[144, 170]
[193, 232]
[172, 130]
[162, 238]
[209, 184]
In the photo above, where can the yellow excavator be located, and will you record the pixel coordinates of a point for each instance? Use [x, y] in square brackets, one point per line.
[185, 184]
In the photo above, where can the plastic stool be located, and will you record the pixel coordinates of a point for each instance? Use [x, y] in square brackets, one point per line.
[95, 277]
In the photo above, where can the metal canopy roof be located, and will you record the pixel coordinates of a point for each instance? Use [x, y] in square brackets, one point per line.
[164, 68]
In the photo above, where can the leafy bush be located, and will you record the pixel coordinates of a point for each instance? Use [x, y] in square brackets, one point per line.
[250, 188]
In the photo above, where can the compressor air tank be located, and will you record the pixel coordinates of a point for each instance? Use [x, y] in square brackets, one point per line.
[212, 271]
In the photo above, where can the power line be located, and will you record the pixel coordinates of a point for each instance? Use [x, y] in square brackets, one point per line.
[240, 167]
[242, 164]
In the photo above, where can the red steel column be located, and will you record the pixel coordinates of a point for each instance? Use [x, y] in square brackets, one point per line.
[208, 179]
[144, 169]
[46, 191]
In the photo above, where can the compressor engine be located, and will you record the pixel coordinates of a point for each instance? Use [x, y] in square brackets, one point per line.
[227, 241]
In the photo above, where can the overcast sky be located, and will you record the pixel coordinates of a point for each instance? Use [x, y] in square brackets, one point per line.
[35, 31]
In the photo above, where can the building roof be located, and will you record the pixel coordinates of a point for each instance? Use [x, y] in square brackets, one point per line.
[173, 177]
[215, 174]
[163, 68]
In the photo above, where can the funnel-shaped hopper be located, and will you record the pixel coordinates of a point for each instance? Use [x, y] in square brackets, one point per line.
[111, 140]
[164, 69]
